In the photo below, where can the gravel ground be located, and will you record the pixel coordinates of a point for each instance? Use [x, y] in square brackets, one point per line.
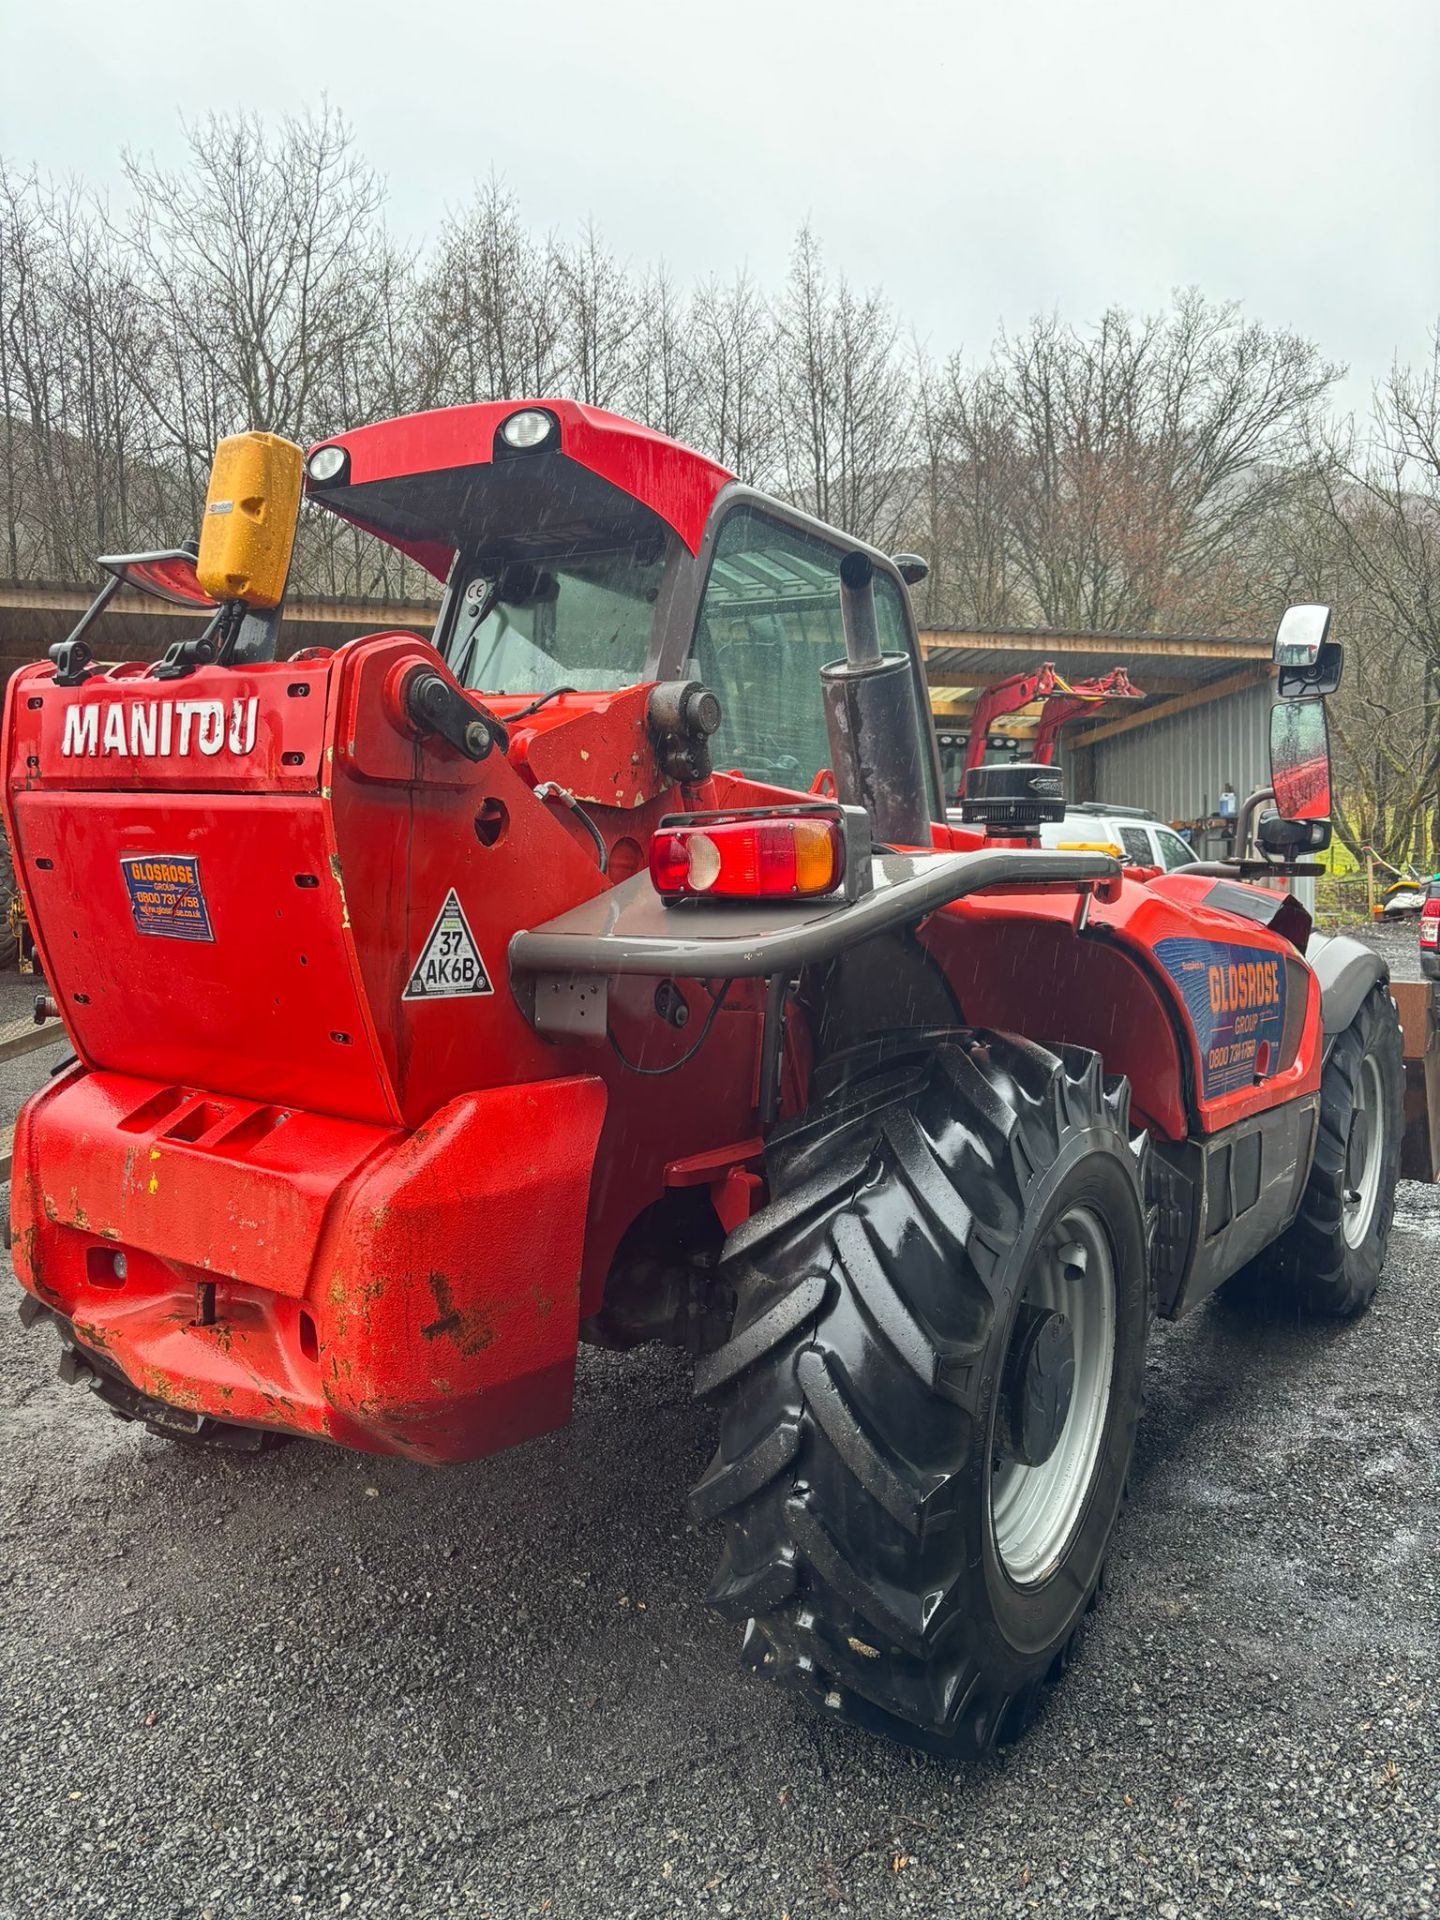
[1397, 940]
[311, 1684]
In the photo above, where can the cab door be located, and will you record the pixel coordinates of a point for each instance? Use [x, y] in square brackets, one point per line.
[766, 619]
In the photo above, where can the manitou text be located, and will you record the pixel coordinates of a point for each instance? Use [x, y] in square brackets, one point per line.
[162, 728]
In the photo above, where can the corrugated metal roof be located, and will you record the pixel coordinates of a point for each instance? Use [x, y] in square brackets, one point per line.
[1146, 753]
[738, 579]
[963, 659]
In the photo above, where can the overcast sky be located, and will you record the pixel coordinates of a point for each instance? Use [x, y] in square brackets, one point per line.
[979, 162]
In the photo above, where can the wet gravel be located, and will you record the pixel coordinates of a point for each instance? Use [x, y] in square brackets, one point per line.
[312, 1684]
[1397, 940]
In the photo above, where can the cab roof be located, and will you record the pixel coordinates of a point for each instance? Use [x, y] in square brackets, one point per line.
[424, 481]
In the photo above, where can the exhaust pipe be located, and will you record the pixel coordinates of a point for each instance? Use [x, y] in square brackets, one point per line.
[877, 747]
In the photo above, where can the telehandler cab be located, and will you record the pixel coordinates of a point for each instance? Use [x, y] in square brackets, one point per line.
[603, 966]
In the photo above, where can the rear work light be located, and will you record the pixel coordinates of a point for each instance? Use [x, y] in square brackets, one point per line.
[770, 853]
[526, 430]
[326, 465]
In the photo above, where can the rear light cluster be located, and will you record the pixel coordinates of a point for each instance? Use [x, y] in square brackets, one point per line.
[767, 854]
[1430, 921]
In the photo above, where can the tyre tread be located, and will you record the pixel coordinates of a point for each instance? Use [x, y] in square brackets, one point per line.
[850, 1394]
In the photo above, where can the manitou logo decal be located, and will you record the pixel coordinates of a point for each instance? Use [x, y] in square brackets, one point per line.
[165, 729]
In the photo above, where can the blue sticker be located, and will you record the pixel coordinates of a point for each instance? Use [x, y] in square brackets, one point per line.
[165, 895]
[1235, 997]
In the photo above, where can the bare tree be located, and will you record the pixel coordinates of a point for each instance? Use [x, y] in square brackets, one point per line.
[664, 380]
[599, 319]
[76, 473]
[493, 305]
[1146, 472]
[1381, 491]
[1135, 461]
[968, 457]
[844, 400]
[259, 260]
[734, 346]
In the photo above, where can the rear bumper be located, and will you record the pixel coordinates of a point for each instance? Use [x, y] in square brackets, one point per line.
[410, 1293]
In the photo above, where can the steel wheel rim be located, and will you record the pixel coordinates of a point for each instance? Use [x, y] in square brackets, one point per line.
[1362, 1183]
[1035, 1510]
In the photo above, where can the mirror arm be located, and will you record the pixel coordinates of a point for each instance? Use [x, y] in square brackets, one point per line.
[1244, 828]
[72, 657]
[1258, 870]
[1245, 820]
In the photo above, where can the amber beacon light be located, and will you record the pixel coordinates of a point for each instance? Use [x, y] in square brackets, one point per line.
[251, 509]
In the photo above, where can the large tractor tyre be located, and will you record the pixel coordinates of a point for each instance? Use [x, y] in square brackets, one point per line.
[930, 1392]
[1328, 1261]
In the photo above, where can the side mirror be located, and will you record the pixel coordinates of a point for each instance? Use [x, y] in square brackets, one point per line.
[1308, 660]
[166, 576]
[1300, 764]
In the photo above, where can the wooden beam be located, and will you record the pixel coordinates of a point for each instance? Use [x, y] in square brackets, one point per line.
[1168, 709]
[1040, 645]
[19, 596]
[25, 1036]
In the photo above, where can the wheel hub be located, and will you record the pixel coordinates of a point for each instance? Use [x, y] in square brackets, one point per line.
[1052, 1397]
[1037, 1387]
[1364, 1152]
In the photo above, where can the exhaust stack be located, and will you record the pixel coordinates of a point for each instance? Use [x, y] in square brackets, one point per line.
[877, 748]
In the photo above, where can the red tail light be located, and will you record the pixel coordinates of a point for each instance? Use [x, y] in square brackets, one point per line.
[1430, 923]
[757, 856]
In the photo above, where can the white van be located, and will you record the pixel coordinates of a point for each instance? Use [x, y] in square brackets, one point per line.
[1142, 840]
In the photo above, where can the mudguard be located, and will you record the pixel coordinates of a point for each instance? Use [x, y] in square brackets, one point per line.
[1346, 971]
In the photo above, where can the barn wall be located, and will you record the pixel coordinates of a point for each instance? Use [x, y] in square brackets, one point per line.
[1177, 767]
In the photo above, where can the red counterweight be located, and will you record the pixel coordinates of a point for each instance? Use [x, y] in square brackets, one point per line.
[275, 1101]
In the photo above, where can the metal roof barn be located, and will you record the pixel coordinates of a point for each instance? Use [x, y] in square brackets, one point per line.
[1202, 724]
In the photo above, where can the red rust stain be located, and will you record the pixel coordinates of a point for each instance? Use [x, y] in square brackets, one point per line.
[543, 1302]
[470, 1329]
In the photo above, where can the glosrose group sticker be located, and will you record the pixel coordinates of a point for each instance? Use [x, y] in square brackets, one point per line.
[166, 898]
[1235, 997]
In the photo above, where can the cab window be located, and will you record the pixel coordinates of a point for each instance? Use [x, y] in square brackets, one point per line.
[575, 618]
[769, 620]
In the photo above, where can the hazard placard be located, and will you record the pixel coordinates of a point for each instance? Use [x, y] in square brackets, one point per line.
[449, 965]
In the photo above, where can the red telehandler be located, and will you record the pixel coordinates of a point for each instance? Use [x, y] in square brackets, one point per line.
[438, 1002]
[1061, 704]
